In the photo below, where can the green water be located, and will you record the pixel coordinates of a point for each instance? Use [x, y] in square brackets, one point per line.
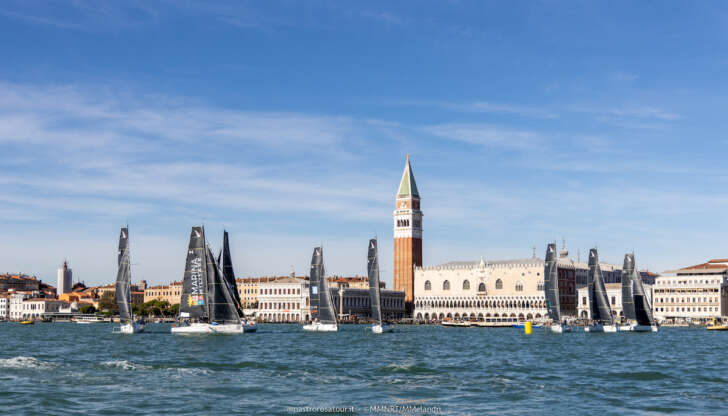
[85, 369]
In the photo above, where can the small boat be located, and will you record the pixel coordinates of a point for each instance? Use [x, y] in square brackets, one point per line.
[601, 313]
[27, 322]
[378, 327]
[522, 326]
[636, 307]
[717, 326]
[123, 289]
[456, 324]
[206, 304]
[90, 320]
[551, 289]
[322, 310]
[249, 326]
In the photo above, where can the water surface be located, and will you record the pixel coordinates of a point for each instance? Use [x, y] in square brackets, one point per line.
[64, 367]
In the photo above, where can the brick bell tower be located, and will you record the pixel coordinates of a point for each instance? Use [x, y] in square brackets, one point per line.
[407, 236]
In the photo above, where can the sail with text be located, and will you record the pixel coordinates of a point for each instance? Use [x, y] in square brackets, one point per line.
[321, 303]
[628, 305]
[123, 277]
[373, 272]
[226, 263]
[643, 310]
[598, 301]
[194, 299]
[551, 284]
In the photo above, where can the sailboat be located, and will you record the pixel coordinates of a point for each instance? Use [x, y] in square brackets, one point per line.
[322, 310]
[551, 286]
[601, 313]
[628, 307]
[123, 288]
[643, 309]
[226, 264]
[206, 305]
[374, 296]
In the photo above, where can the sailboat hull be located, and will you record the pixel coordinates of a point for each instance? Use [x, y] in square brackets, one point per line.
[319, 327]
[380, 329]
[130, 328]
[601, 328]
[644, 328]
[203, 328]
[626, 328]
[559, 329]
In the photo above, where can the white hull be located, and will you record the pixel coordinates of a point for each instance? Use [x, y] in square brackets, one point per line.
[319, 327]
[601, 328]
[203, 328]
[645, 328]
[452, 324]
[560, 329]
[626, 328]
[130, 328]
[379, 329]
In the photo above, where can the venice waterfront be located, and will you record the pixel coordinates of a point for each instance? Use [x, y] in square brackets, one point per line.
[60, 368]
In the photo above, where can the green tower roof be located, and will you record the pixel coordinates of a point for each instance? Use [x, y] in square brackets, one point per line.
[407, 187]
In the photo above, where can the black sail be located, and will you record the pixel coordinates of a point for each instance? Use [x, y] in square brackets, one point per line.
[373, 272]
[123, 277]
[643, 310]
[599, 303]
[628, 305]
[226, 263]
[551, 284]
[222, 306]
[194, 300]
[321, 304]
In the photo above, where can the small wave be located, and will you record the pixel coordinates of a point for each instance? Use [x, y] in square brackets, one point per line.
[641, 375]
[124, 365]
[25, 362]
[406, 369]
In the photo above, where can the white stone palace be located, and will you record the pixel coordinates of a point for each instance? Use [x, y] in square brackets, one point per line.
[479, 290]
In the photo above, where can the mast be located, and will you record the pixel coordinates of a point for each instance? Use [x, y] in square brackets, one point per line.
[551, 284]
[194, 300]
[373, 272]
[123, 277]
[601, 312]
[628, 304]
[643, 309]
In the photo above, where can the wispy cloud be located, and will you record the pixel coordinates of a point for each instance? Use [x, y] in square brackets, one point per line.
[486, 135]
[483, 107]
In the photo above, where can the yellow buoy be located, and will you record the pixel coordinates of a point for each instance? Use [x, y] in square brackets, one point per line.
[528, 328]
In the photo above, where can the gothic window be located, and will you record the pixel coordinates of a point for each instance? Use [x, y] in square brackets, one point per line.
[428, 285]
[446, 285]
[540, 285]
[519, 287]
[481, 287]
[499, 284]
[466, 285]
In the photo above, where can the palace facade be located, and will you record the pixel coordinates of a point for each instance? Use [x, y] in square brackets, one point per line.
[476, 290]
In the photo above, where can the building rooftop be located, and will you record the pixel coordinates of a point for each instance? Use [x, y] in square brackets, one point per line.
[407, 186]
[714, 266]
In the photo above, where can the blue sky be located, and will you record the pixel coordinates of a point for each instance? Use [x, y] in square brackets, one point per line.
[288, 122]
